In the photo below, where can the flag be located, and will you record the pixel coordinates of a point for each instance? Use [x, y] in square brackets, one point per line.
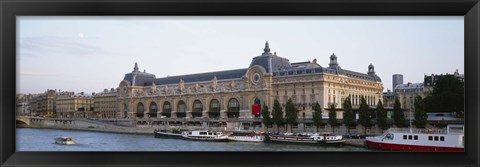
[256, 109]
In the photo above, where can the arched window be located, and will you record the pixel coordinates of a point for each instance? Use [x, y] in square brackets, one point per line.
[197, 109]
[140, 110]
[214, 110]
[181, 109]
[153, 109]
[233, 108]
[167, 109]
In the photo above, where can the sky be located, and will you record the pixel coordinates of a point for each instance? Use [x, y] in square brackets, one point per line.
[92, 53]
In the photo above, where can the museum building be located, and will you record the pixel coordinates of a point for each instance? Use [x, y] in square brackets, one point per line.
[237, 94]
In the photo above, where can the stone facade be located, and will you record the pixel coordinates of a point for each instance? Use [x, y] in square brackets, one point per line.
[71, 105]
[44, 103]
[231, 94]
[106, 104]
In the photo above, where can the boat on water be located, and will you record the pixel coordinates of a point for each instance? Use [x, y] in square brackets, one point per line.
[307, 138]
[451, 139]
[177, 134]
[205, 135]
[64, 140]
[247, 136]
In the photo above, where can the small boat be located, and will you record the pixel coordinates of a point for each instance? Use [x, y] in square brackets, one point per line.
[64, 140]
[294, 138]
[177, 134]
[307, 138]
[450, 140]
[328, 138]
[247, 136]
[205, 135]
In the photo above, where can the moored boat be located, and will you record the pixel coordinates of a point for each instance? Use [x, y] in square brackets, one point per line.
[451, 139]
[205, 135]
[177, 134]
[64, 140]
[247, 136]
[307, 138]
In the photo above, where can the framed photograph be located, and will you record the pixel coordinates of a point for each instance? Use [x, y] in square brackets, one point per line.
[265, 83]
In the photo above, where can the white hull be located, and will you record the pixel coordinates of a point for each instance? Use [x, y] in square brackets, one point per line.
[247, 138]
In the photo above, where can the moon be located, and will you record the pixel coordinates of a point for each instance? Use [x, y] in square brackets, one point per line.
[81, 35]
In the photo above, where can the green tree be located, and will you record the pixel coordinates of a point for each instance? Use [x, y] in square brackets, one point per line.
[332, 116]
[364, 115]
[447, 96]
[266, 119]
[291, 113]
[420, 114]
[381, 116]
[348, 115]
[277, 114]
[317, 115]
[398, 115]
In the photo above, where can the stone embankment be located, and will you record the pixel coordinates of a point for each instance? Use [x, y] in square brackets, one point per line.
[355, 142]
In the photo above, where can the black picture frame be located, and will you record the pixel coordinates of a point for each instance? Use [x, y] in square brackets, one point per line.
[9, 9]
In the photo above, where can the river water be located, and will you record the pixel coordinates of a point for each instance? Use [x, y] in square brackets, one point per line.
[28, 139]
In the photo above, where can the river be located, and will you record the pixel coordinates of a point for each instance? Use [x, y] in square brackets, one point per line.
[29, 139]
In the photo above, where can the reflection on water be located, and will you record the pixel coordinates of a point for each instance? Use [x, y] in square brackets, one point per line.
[43, 140]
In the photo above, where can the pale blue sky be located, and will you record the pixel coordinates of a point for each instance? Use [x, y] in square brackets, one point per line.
[92, 53]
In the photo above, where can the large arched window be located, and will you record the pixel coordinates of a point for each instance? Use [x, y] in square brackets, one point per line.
[181, 109]
[214, 110]
[197, 109]
[167, 109]
[233, 108]
[153, 109]
[140, 110]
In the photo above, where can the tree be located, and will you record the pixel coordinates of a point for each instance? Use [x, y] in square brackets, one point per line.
[332, 116]
[317, 115]
[419, 114]
[447, 96]
[266, 119]
[381, 116]
[348, 115]
[277, 114]
[364, 116]
[398, 115]
[291, 113]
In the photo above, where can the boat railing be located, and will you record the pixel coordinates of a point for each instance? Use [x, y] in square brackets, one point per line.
[424, 131]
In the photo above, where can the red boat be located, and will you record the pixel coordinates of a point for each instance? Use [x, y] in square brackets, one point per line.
[450, 140]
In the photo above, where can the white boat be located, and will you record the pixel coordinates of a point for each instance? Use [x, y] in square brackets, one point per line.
[205, 135]
[328, 138]
[450, 139]
[64, 140]
[324, 138]
[246, 136]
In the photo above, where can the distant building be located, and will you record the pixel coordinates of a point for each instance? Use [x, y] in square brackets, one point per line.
[388, 98]
[429, 81]
[22, 102]
[44, 103]
[397, 80]
[71, 105]
[106, 104]
[406, 94]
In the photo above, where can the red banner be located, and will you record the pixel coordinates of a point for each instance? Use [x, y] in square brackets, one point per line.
[256, 109]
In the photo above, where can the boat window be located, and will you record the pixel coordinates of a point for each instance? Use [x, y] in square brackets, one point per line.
[436, 138]
[442, 138]
[430, 138]
[404, 137]
[389, 136]
[203, 133]
[415, 137]
[409, 137]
